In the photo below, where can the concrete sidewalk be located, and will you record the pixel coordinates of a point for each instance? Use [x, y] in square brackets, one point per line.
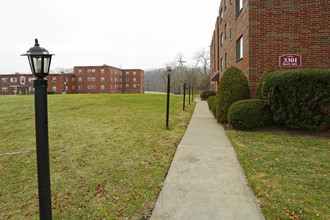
[205, 180]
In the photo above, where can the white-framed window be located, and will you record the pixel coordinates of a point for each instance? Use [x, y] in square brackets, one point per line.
[230, 32]
[115, 72]
[93, 78]
[4, 80]
[121, 73]
[239, 48]
[31, 89]
[239, 6]
[115, 79]
[127, 85]
[13, 80]
[221, 64]
[127, 73]
[89, 87]
[134, 73]
[134, 79]
[54, 88]
[225, 30]
[102, 70]
[93, 86]
[134, 85]
[115, 86]
[79, 71]
[121, 80]
[221, 39]
[127, 79]
[66, 79]
[54, 79]
[121, 86]
[4, 89]
[79, 79]
[133, 91]
[225, 3]
[225, 60]
[79, 87]
[66, 88]
[89, 70]
[73, 87]
[93, 70]
[102, 79]
[102, 87]
[111, 86]
[89, 79]
[73, 79]
[221, 15]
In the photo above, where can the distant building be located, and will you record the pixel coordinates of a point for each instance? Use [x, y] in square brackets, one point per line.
[256, 35]
[84, 80]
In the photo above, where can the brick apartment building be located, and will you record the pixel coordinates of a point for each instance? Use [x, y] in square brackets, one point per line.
[84, 80]
[252, 36]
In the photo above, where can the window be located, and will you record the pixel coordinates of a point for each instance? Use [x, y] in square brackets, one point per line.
[79, 79]
[5, 80]
[121, 73]
[4, 89]
[54, 88]
[115, 86]
[80, 71]
[79, 87]
[93, 87]
[13, 80]
[73, 87]
[54, 79]
[239, 48]
[102, 87]
[226, 31]
[102, 71]
[133, 91]
[221, 39]
[134, 85]
[31, 89]
[93, 78]
[102, 79]
[221, 15]
[115, 79]
[93, 70]
[230, 32]
[127, 79]
[89, 71]
[134, 73]
[127, 73]
[134, 79]
[127, 85]
[89, 79]
[31, 79]
[221, 63]
[239, 6]
[121, 80]
[73, 79]
[226, 61]
[225, 4]
[66, 88]
[89, 87]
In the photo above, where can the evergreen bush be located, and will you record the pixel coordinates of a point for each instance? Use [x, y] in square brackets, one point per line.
[299, 98]
[205, 94]
[212, 104]
[233, 86]
[247, 114]
[261, 80]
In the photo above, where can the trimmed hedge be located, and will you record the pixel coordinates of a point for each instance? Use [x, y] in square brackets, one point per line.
[205, 94]
[299, 98]
[247, 114]
[261, 81]
[211, 101]
[233, 86]
[50, 92]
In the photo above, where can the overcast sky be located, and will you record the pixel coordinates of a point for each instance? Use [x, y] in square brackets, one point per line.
[139, 34]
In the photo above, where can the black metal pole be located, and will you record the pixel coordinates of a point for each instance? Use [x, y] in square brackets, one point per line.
[192, 93]
[41, 117]
[189, 93]
[168, 99]
[184, 95]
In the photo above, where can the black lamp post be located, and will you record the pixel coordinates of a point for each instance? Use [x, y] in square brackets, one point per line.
[189, 91]
[39, 60]
[168, 94]
[192, 93]
[184, 94]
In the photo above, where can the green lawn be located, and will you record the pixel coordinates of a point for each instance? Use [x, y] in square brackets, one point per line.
[109, 154]
[289, 175]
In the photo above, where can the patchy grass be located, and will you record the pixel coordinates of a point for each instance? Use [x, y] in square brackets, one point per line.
[109, 154]
[289, 175]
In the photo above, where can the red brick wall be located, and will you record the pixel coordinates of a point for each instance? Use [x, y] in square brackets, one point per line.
[280, 27]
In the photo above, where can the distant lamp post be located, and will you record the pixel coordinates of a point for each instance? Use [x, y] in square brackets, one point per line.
[39, 60]
[192, 93]
[168, 94]
[184, 94]
[189, 91]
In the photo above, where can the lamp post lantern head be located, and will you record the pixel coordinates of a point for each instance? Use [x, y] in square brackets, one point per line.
[169, 70]
[39, 59]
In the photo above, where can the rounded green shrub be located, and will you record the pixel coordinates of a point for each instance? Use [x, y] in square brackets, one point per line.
[205, 94]
[299, 98]
[247, 114]
[261, 81]
[211, 101]
[233, 86]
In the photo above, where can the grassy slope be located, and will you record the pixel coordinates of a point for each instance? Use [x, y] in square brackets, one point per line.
[289, 175]
[109, 154]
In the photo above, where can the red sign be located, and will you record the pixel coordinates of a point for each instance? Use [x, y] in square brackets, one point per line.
[290, 60]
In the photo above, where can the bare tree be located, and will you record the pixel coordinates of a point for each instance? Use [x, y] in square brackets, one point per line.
[202, 57]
